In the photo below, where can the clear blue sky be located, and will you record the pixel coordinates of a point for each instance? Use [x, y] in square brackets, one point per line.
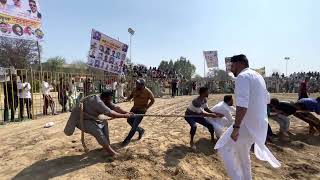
[265, 30]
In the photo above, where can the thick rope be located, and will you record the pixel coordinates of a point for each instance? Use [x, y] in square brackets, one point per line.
[82, 128]
[104, 120]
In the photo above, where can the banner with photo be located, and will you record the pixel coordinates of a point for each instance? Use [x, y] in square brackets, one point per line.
[228, 64]
[106, 53]
[211, 58]
[261, 71]
[21, 19]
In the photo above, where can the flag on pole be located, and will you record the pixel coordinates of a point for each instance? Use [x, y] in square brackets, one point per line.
[228, 64]
[211, 58]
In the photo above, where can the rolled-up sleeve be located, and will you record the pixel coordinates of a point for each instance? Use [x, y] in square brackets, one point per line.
[242, 91]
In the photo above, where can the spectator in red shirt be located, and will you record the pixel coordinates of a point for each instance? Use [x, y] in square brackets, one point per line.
[303, 91]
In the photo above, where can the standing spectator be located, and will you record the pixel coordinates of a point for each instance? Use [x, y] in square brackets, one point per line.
[10, 98]
[24, 97]
[114, 90]
[72, 95]
[62, 93]
[47, 99]
[194, 87]
[120, 89]
[303, 91]
[174, 84]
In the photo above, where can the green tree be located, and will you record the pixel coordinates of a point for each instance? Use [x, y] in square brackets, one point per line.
[184, 67]
[164, 65]
[55, 63]
[79, 66]
[171, 65]
[18, 53]
[219, 75]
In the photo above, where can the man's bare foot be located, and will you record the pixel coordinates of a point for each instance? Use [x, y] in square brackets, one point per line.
[112, 153]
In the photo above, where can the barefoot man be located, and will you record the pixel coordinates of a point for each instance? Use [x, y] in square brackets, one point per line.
[199, 107]
[251, 123]
[93, 107]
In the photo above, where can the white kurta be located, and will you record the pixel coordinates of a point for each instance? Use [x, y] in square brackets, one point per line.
[251, 93]
[219, 124]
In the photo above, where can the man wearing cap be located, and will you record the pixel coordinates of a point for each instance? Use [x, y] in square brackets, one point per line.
[251, 123]
[93, 106]
[143, 99]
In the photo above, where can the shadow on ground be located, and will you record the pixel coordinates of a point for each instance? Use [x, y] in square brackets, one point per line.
[47, 169]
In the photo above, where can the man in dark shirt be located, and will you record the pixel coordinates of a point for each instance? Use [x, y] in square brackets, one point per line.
[282, 110]
[309, 104]
[93, 106]
[10, 98]
[305, 106]
[285, 109]
[174, 84]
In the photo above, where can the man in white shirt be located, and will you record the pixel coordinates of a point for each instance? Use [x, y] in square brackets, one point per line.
[225, 108]
[114, 90]
[34, 13]
[73, 94]
[251, 123]
[47, 99]
[24, 97]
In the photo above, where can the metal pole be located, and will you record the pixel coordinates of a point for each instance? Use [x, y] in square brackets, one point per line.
[204, 68]
[131, 47]
[286, 67]
[287, 59]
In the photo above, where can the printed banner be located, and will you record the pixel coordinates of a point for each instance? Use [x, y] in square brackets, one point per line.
[106, 53]
[21, 19]
[228, 64]
[261, 71]
[211, 58]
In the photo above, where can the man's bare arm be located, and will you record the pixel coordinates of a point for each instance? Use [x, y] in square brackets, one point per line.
[240, 113]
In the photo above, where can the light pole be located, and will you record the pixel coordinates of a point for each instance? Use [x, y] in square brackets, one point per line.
[131, 32]
[287, 60]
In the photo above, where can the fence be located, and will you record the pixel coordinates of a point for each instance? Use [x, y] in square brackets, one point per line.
[15, 107]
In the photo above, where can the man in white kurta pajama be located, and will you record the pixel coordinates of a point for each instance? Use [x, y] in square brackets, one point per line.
[251, 123]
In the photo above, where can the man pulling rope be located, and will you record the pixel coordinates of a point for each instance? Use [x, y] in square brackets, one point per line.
[85, 117]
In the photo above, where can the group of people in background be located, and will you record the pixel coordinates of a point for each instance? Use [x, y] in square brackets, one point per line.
[293, 83]
[17, 94]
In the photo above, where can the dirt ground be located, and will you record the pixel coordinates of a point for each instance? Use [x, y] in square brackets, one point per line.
[29, 151]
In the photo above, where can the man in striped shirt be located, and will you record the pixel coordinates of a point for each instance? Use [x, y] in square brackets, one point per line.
[199, 107]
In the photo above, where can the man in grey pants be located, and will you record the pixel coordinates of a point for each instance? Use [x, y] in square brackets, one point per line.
[93, 106]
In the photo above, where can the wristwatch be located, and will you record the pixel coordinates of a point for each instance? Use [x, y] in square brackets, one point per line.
[236, 127]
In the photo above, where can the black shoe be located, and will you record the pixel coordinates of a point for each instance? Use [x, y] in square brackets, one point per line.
[125, 143]
[141, 134]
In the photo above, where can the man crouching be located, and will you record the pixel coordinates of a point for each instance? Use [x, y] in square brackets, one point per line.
[93, 106]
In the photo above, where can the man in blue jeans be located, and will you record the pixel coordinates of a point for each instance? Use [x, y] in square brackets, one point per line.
[143, 99]
[200, 108]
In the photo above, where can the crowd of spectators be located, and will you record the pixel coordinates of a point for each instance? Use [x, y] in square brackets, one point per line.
[291, 84]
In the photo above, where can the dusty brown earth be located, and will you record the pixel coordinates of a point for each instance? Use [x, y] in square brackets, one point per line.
[29, 151]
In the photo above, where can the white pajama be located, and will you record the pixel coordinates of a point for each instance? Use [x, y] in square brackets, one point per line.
[220, 124]
[236, 156]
